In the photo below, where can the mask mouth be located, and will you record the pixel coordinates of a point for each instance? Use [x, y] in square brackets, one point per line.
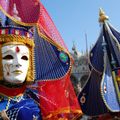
[17, 72]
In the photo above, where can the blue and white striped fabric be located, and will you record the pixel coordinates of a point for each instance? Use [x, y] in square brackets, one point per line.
[48, 64]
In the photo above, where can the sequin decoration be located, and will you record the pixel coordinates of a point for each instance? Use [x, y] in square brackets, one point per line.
[63, 57]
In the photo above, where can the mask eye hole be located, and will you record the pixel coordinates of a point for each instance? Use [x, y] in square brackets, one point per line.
[8, 57]
[24, 57]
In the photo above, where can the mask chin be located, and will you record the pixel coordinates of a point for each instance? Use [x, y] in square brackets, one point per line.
[12, 84]
[14, 80]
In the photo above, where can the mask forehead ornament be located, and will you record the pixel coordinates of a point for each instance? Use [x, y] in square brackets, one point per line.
[17, 49]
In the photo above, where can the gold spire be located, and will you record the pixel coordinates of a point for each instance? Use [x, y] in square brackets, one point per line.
[102, 16]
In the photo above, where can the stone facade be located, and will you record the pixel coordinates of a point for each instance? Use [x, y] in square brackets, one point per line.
[80, 69]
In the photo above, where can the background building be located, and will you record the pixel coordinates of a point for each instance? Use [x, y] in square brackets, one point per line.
[80, 69]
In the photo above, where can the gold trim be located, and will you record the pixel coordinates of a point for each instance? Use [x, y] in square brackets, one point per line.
[16, 21]
[16, 38]
[30, 75]
[13, 43]
[101, 90]
[8, 103]
[56, 79]
[54, 114]
[60, 49]
[50, 40]
[118, 78]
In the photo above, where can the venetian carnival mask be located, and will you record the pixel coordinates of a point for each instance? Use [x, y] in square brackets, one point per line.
[15, 61]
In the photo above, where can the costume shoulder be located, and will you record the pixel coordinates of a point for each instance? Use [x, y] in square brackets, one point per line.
[27, 109]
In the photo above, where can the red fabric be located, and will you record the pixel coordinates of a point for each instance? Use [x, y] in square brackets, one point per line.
[119, 73]
[47, 27]
[11, 91]
[28, 10]
[58, 99]
[31, 12]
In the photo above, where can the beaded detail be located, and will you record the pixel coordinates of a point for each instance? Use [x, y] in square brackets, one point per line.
[10, 100]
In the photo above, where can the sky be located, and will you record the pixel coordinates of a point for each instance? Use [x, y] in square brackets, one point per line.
[76, 19]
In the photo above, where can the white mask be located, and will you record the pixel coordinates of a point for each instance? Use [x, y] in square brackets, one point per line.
[15, 61]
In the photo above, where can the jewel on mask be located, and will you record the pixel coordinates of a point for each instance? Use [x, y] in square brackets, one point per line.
[17, 49]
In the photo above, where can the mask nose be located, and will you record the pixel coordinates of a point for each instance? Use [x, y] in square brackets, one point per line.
[18, 65]
[17, 62]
